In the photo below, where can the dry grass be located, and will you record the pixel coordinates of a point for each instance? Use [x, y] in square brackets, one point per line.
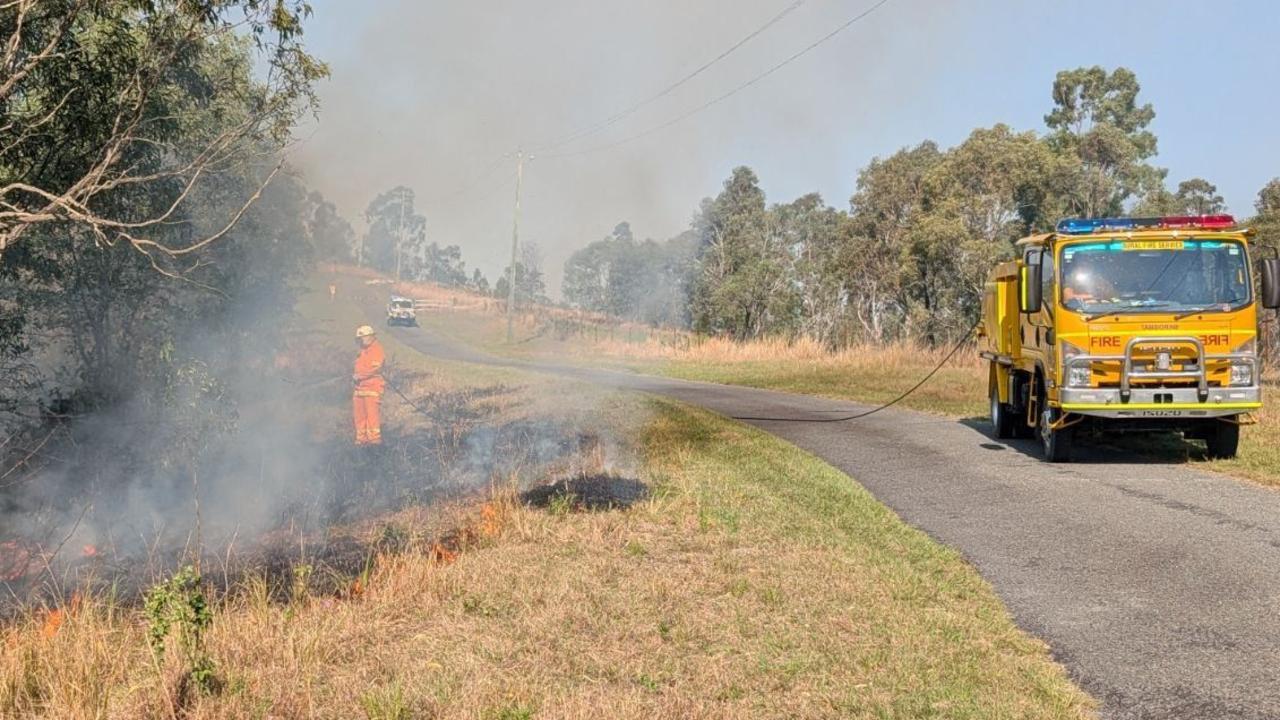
[1259, 458]
[769, 349]
[866, 373]
[757, 582]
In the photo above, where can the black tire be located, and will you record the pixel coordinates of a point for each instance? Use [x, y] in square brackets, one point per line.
[1056, 444]
[1002, 419]
[1222, 440]
[1021, 429]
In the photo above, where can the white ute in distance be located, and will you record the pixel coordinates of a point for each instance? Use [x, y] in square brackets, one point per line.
[401, 311]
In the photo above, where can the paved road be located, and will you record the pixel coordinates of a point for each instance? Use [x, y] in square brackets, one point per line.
[1157, 586]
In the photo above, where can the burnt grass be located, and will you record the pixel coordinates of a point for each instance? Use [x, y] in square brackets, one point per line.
[326, 526]
[589, 492]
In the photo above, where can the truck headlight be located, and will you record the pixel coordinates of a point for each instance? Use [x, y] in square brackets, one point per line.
[1079, 376]
[1241, 374]
[1242, 370]
[1076, 375]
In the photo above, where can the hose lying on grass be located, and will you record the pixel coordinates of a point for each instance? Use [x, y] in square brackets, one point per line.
[963, 341]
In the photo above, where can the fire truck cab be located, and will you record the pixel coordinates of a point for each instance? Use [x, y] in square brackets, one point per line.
[1127, 325]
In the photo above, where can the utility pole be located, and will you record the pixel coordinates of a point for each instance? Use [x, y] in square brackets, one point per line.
[515, 247]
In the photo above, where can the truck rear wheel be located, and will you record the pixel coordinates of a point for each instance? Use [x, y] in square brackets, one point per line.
[1002, 418]
[1056, 443]
[1223, 440]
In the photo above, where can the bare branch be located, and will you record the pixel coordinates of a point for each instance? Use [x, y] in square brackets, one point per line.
[142, 243]
[135, 148]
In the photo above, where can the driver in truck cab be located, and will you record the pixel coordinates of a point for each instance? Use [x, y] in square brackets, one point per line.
[1086, 284]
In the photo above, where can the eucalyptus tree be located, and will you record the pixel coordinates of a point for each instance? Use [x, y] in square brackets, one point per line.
[331, 235]
[396, 234]
[135, 138]
[1198, 196]
[885, 209]
[1097, 119]
[742, 287]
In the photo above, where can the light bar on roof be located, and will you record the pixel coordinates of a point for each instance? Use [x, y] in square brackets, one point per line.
[1088, 226]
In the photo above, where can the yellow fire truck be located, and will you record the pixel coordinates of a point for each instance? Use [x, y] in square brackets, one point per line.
[1127, 324]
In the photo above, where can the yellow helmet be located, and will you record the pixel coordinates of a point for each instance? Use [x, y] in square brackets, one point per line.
[364, 331]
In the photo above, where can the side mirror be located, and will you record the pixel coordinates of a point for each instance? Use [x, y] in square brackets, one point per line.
[1029, 295]
[1271, 283]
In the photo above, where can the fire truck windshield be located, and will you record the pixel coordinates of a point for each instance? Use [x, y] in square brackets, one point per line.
[1134, 276]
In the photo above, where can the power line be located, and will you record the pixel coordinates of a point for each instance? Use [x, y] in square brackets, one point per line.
[490, 169]
[607, 122]
[484, 174]
[729, 94]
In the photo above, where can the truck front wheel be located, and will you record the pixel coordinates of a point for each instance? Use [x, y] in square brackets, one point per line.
[1223, 439]
[1056, 443]
[1002, 418]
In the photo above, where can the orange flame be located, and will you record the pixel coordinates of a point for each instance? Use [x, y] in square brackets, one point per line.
[53, 621]
[490, 520]
[442, 555]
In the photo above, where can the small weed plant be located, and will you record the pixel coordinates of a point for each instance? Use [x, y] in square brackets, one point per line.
[300, 588]
[386, 702]
[562, 504]
[177, 608]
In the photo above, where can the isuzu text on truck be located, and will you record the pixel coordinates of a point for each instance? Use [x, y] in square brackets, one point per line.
[1127, 324]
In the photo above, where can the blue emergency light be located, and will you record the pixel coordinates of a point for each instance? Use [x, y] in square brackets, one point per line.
[1086, 226]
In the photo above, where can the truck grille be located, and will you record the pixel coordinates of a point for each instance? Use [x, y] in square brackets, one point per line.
[1106, 374]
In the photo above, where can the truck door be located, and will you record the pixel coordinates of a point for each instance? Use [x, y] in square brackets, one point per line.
[1038, 335]
[1048, 290]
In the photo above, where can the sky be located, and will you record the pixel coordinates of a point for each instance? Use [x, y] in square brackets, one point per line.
[437, 95]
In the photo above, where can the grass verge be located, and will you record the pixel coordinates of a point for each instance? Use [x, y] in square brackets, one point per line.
[755, 581]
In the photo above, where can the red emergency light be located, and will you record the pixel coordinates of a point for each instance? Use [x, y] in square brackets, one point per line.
[1204, 222]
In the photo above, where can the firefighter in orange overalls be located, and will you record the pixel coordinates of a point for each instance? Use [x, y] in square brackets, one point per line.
[369, 385]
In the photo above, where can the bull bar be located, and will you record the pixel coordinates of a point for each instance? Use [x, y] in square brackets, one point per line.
[1199, 401]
